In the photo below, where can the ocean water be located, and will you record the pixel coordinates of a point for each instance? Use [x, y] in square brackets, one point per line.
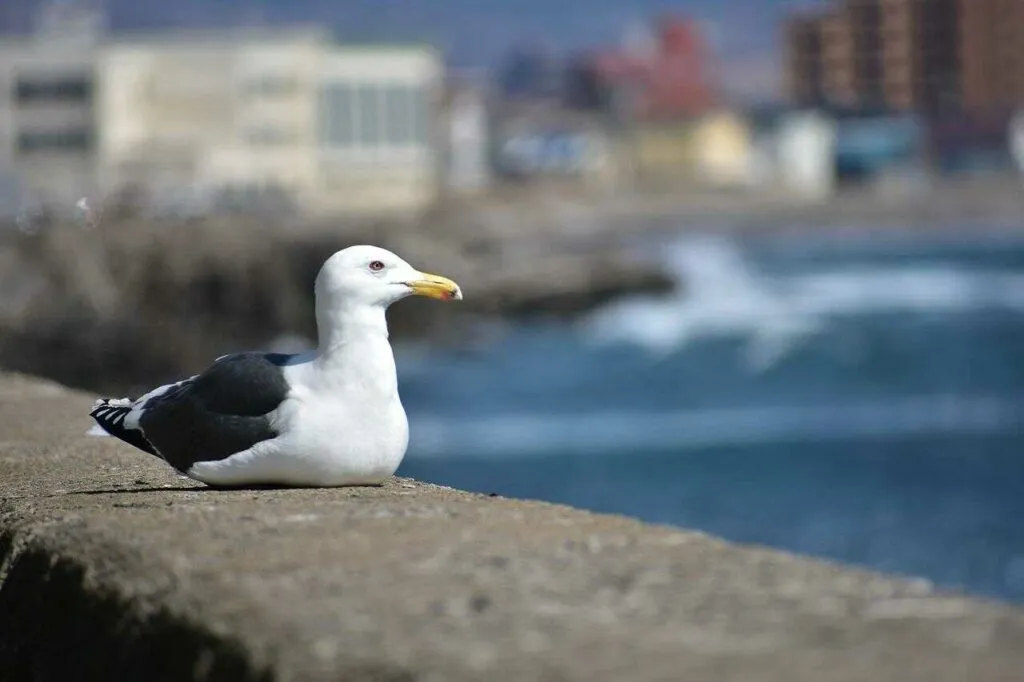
[858, 397]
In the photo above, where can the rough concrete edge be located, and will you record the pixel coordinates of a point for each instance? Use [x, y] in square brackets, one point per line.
[63, 597]
[68, 591]
[58, 607]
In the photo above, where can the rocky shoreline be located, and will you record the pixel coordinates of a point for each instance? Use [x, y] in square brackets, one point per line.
[129, 301]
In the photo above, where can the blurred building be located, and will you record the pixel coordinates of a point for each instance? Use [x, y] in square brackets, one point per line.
[971, 145]
[531, 72]
[47, 124]
[936, 57]
[214, 118]
[208, 109]
[1016, 135]
[804, 61]
[792, 152]
[337, 128]
[664, 74]
[869, 147]
[714, 150]
[723, 149]
[617, 114]
[466, 139]
[376, 142]
[802, 154]
[991, 40]
[852, 54]
[531, 142]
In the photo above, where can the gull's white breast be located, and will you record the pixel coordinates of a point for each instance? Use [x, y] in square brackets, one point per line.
[342, 436]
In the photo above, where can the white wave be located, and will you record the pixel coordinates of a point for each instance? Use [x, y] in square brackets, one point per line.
[723, 294]
[522, 435]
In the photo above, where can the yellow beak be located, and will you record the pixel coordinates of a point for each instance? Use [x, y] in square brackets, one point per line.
[435, 286]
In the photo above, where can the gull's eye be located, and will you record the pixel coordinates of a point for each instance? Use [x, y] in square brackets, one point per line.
[376, 265]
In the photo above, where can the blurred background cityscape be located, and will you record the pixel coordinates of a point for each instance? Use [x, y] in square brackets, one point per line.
[754, 267]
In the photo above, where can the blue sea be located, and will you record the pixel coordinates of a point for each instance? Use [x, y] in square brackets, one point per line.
[856, 395]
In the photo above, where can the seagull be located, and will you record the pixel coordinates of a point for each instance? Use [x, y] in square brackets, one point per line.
[325, 418]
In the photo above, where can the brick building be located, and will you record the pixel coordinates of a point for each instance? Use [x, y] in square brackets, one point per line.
[802, 43]
[991, 35]
[931, 56]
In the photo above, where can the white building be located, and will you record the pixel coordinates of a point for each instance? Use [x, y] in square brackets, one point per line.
[47, 126]
[467, 166]
[338, 128]
[208, 110]
[376, 142]
[806, 147]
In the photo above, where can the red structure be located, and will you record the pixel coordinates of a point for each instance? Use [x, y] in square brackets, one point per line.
[668, 81]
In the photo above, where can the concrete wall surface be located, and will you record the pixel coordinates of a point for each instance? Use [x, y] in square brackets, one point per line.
[113, 568]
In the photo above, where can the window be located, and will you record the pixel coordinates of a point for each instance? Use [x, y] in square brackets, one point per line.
[397, 120]
[419, 108]
[337, 116]
[54, 141]
[373, 116]
[369, 116]
[53, 89]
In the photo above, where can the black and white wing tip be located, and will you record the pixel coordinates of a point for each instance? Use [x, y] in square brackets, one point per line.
[110, 414]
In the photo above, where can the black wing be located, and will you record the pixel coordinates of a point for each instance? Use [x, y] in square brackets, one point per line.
[215, 414]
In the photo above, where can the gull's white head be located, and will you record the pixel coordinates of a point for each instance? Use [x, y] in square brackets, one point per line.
[375, 277]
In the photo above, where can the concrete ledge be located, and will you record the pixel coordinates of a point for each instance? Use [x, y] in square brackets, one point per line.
[111, 568]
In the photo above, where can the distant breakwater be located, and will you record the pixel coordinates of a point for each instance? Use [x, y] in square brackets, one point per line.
[128, 301]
